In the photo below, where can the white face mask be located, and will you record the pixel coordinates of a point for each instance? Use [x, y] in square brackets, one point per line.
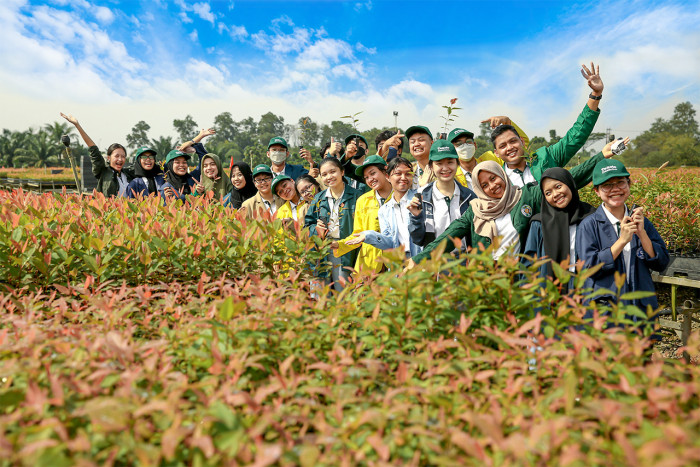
[277, 157]
[466, 151]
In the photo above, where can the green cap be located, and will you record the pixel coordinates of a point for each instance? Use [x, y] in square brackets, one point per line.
[371, 160]
[174, 154]
[278, 140]
[261, 169]
[457, 132]
[144, 149]
[606, 169]
[442, 149]
[351, 137]
[418, 129]
[278, 179]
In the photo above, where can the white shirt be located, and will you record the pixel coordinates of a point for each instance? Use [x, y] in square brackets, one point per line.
[572, 248]
[275, 174]
[271, 206]
[334, 221]
[123, 183]
[627, 250]
[519, 179]
[294, 209]
[442, 217]
[401, 214]
[509, 236]
[467, 177]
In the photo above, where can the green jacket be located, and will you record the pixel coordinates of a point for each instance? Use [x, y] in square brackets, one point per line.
[529, 205]
[106, 176]
[560, 153]
[320, 209]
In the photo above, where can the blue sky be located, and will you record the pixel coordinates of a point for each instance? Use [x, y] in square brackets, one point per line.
[114, 63]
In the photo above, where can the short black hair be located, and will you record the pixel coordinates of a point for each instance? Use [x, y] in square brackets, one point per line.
[385, 135]
[397, 161]
[500, 129]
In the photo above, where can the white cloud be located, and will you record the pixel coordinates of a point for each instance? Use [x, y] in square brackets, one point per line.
[104, 15]
[359, 6]
[193, 35]
[203, 10]
[361, 48]
[237, 32]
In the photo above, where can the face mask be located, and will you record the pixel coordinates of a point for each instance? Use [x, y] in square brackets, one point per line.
[278, 157]
[466, 151]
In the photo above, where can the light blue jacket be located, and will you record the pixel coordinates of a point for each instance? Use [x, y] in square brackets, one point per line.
[388, 223]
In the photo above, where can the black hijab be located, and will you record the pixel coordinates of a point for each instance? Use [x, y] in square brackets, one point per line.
[180, 183]
[149, 174]
[555, 221]
[248, 191]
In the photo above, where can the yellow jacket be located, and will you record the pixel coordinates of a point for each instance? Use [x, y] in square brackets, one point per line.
[285, 211]
[366, 218]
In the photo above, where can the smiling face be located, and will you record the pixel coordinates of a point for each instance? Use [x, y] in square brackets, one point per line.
[445, 169]
[331, 175]
[376, 178]
[509, 147]
[209, 168]
[117, 159]
[286, 190]
[614, 192]
[307, 190]
[556, 193]
[237, 178]
[419, 144]
[180, 166]
[401, 178]
[147, 160]
[493, 185]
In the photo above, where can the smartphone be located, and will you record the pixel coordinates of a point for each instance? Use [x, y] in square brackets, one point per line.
[618, 146]
[420, 198]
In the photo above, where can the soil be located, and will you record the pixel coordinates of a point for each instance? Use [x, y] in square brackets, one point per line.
[669, 345]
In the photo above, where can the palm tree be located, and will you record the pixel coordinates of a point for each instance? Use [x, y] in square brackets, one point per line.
[163, 146]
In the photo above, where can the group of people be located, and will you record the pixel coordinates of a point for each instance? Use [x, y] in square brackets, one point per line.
[517, 203]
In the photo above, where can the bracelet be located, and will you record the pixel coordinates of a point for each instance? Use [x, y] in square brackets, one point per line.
[196, 143]
[595, 98]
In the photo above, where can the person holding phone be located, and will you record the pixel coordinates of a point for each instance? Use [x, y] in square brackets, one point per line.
[621, 239]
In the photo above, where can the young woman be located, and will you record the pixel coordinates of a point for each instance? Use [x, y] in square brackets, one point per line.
[178, 182]
[503, 209]
[284, 187]
[264, 200]
[243, 185]
[148, 176]
[331, 215]
[553, 230]
[214, 179]
[394, 214]
[621, 239]
[444, 200]
[112, 179]
[308, 187]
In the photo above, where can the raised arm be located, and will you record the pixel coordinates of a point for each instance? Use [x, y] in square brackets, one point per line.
[583, 173]
[88, 141]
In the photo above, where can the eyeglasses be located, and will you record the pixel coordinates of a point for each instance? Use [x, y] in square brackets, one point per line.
[148, 158]
[459, 145]
[262, 181]
[307, 191]
[608, 187]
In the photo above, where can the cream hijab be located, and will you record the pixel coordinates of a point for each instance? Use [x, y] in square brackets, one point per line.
[487, 209]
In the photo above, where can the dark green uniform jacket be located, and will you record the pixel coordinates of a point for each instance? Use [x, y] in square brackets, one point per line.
[106, 176]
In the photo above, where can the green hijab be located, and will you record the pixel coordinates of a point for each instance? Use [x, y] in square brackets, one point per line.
[220, 187]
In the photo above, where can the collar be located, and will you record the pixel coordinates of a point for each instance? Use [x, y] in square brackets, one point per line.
[613, 220]
[329, 194]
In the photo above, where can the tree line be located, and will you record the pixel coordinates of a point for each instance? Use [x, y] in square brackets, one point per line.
[676, 140]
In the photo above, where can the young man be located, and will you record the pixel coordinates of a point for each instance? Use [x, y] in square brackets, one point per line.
[278, 152]
[389, 144]
[394, 215]
[466, 147]
[355, 153]
[510, 147]
[264, 199]
[366, 214]
[420, 139]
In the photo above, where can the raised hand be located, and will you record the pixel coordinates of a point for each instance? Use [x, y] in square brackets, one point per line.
[593, 78]
[627, 229]
[198, 186]
[498, 120]
[204, 132]
[392, 142]
[607, 149]
[306, 155]
[70, 118]
[415, 207]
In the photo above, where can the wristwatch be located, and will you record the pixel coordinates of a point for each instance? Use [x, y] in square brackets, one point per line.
[595, 98]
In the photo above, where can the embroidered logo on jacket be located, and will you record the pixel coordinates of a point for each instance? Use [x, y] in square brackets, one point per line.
[526, 210]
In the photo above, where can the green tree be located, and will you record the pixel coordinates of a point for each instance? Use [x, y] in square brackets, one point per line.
[225, 128]
[309, 132]
[269, 126]
[138, 136]
[163, 145]
[255, 154]
[336, 129]
[186, 128]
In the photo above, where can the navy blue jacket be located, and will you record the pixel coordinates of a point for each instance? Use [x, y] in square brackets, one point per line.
[181, 197]
[594, 238]
[201, 152]
[422, 227]
[139, 187]
[294, 171]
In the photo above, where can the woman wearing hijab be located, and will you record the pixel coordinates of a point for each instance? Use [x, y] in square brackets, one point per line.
[214, 179]
[503, 209]
[243, 185]
[178, 182]
[148, 176]
[553, 229]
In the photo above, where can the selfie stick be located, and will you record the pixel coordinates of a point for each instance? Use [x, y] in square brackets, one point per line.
[65, 139]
